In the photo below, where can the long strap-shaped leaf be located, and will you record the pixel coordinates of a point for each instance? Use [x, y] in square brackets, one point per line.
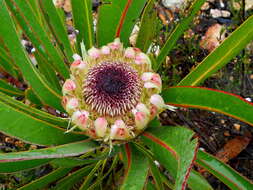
[10, 167]
[69, 181]
[57, 27]
[6, 63]
[10, 90]
[36, 33]
[47, 179]
[212, 100]
[177, 156]
[116, 19]
[223, 172]
[66, 150]
[17, 123]
[82, 17]
[41, 115]
[147, 27]
[178, 31]
[43, 89]
[221, 55]
[136, 168]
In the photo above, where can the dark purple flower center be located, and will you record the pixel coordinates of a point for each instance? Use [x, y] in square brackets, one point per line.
[112, 88]
[113, 81]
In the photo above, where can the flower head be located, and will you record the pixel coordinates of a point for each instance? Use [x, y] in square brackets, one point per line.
[112, 93]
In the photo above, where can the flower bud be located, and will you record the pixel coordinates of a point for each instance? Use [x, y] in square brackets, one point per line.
[77, 57]
[72, 104]
[147, 76]
[157, 101]
[100, 126]
[80, 118]
[78, 64]
[151, 85]
[153, 111]
[119, 131]
[156, 79]
[141, 120]
[129, 53]
[68, 86]
[142, 58]
[94, 53]
[152, 80]
[142, 108]
[105, 50]
[116, 44]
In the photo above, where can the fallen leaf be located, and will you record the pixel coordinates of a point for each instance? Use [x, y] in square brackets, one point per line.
[233, 147]
[213, 36]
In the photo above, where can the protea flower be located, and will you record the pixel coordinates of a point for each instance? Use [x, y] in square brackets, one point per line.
[112, 93]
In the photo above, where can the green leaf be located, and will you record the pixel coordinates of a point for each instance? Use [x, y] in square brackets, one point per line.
[150, 186]
[147, 27]
[136, 168]
[35, 6]
[67, 182]
[154, 170]
[223, 172]
[117, 19]
[71, 162]
[30, 129]
[6, 63]
[42, 88]
[10, 167]
[229, 48]
[57, 27]
[47, 179]
[212, 100]
[197, 181]
[156, 175]
[30, 95]
[99, 180]
[83, 22]
[10, 90]
[38, 36]
[38, 114]
[91, 175]
[47, 70]
[61, 151]
[177, 156]
[179, 30]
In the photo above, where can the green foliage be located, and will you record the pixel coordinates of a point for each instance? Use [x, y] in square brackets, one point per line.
[78, 162]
